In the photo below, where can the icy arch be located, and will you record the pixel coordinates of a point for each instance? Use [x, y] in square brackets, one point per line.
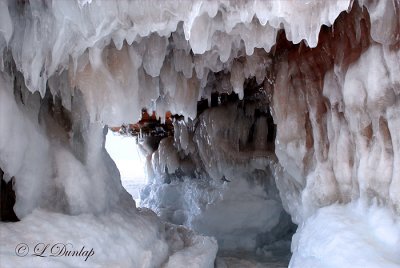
[329, 69]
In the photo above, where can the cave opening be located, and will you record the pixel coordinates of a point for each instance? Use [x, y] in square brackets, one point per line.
[125, 152]
[190, 183]
[267, 132]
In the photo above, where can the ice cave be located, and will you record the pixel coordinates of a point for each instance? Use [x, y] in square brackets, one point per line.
[266, 133]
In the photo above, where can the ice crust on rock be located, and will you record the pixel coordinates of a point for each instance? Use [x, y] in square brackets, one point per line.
[354, 149]
[69, 68]
[21, 141]
[58, 174]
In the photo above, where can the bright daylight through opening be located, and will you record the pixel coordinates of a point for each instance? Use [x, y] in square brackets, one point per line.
[130, 161]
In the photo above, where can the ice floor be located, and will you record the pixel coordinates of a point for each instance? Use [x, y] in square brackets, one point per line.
[276, 255]
[241, 261]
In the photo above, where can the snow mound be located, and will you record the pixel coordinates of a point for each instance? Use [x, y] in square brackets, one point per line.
[352, 235]
[129, 239]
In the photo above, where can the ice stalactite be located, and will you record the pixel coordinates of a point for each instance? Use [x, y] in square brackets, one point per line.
[191, 37]
[329, 70]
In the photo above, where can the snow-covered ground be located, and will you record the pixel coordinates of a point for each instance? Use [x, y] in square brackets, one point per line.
[352, 235]
[126, 239]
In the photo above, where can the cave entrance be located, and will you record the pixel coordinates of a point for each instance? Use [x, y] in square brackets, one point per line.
[125, 152]
[131, 147]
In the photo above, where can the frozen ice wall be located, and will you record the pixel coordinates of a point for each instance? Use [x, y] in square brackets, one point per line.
[216, 179]
[330, 69]
[341, 101]
[58, 160]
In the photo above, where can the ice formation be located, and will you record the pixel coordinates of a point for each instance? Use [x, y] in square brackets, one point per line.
[201, 181]
[354, 235]
[323, 75]
[133, 239]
